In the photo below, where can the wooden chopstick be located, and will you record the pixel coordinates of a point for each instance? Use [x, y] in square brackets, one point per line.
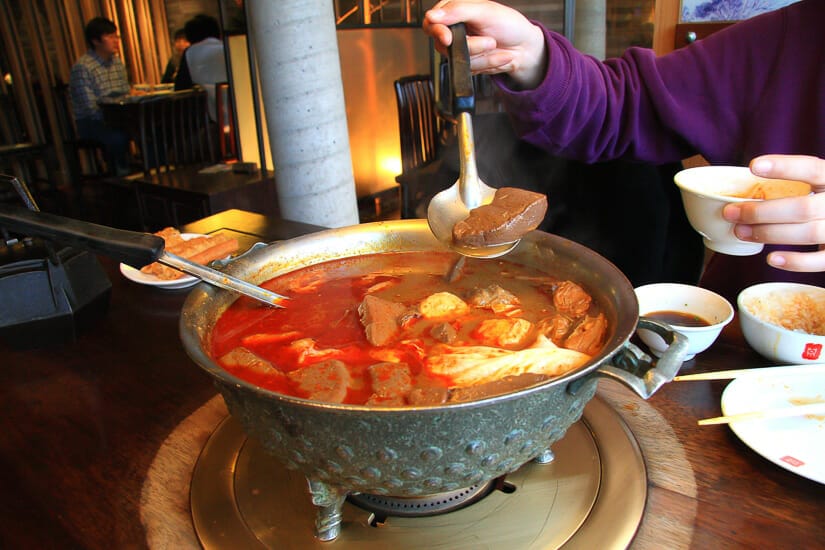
[731, 374]
[784, 412]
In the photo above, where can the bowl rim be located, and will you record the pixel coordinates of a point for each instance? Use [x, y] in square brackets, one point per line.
[744, 170]
[744, 313]
[683, 286]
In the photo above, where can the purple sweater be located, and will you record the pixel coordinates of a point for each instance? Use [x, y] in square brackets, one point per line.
[753, 88]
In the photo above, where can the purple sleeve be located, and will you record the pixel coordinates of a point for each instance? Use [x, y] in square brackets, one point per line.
[648, 108]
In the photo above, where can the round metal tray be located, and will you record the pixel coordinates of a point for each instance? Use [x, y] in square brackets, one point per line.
[591, 496]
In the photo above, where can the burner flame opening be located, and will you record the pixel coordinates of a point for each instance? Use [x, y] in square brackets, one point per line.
[383, 507]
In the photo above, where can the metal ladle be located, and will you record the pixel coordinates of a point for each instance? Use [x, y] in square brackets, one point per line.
[453, 204]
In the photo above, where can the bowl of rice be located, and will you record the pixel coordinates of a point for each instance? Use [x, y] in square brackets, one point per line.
[784, 322]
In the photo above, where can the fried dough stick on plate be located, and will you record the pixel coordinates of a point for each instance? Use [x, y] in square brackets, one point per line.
[201, 250]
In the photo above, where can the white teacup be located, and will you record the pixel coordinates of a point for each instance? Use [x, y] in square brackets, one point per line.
[707, 189]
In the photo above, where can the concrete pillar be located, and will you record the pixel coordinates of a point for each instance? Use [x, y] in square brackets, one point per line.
[590, 29]
[303, 95]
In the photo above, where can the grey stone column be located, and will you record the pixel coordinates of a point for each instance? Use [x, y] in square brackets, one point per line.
[590, 29]
[303, 95]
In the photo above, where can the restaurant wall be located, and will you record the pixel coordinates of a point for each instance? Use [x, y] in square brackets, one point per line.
[371, 59]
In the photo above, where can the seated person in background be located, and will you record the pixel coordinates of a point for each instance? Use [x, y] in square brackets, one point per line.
[97, 74]
[179, 46]
[734, 97]
[203, 62]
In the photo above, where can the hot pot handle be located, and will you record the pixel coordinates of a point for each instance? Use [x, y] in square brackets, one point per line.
[635, 369]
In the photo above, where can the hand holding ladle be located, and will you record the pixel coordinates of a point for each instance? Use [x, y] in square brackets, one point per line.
[453, 204]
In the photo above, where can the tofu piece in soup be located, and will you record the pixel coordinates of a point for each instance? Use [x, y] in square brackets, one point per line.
[326, 381]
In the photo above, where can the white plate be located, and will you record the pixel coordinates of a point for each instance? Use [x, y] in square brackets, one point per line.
[796, 444]
[145, 279]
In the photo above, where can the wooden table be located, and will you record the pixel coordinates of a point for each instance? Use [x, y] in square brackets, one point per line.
[81, 425]
[187, 194]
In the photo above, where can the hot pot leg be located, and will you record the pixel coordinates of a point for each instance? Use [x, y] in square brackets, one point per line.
[545, 457]
[329, 501]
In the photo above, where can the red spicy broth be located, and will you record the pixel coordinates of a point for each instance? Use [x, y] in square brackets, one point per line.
[324, 306]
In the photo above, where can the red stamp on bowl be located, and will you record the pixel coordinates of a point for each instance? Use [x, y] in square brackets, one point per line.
[812, 351]
[792, 461]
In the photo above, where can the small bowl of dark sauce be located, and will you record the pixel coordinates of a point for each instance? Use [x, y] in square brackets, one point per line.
[697, 313]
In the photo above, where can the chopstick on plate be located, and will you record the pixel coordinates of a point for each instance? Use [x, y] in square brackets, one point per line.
[784, 412]
[718, 375]
[731, 374]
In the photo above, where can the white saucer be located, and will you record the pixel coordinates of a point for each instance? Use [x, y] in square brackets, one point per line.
[796, 444]
[145, 279]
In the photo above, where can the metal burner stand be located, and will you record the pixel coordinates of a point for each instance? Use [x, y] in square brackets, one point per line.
[591, 496]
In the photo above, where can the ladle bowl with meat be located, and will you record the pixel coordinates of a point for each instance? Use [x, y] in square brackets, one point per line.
[428, 437]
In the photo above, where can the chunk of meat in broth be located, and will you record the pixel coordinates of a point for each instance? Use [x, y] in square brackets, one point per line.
[492, 297]
[428, 395]
[326, 381]
[391, 382]
[380, 319]
[442, 304]
[555, 328]
[571, 299]
[504, 333]
[444, 332]
[242, 357]
[588, 336]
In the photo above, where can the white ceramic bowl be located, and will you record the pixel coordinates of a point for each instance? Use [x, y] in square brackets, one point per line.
[685, 299]
[762, 306]
[707, 189]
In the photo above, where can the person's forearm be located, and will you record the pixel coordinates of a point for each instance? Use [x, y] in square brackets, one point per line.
[587, 109]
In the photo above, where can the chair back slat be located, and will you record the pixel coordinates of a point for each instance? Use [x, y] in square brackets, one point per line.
[417, 123]
[175, 131]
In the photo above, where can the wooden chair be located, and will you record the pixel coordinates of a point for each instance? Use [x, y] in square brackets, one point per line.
[418, 136]
[97, 194]
[85, 157]
[175, 134]
[174, 131]
[416, 120]
[227, 129]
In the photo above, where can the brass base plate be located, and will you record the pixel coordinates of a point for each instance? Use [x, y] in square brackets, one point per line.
[591, 496]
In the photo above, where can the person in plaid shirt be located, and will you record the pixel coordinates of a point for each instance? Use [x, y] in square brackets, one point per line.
[97, 74]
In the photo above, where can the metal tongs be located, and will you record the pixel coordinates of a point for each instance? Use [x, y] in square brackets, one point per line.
[130, 247]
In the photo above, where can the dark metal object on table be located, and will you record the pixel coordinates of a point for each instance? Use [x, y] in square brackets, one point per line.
[49, 294]
[419, 450]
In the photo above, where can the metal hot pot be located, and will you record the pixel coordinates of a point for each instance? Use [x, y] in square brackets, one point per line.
[411, 451]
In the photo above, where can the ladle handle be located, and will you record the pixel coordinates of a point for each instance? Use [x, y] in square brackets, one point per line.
[461, 77]
[129, 247]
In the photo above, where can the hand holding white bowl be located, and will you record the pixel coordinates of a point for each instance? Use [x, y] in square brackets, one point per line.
[706, 190]
[798, 220]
